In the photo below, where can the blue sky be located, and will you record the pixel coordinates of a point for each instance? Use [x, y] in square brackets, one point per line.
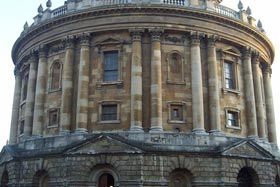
[15, 13]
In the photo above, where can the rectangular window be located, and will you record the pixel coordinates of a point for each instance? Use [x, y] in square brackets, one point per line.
[110, 66]
[229, 75]
[21, 127]
[25, 86]
[53, 117]
[109, 112]
[176, 113]
[232, 118]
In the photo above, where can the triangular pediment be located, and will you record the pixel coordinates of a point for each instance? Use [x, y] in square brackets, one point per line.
[247, 149]
[109, 41]
[103, 144]
[5, 156]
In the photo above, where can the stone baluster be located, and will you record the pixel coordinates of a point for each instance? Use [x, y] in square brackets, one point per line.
[156, 82]
[258, 96]
[41, 85]
[213, 86]
[15, 109]
[83, 85]
[67, 87]
[28, 116]
[271, 126]
[196, 80]
[249, 94]
[136, 81]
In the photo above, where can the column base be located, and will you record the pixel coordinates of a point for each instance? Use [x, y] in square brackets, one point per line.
[199, 131]
[156, 129]
[253, 137]
[81, 131]
[136, 129]
[215, 132]
[64, 132]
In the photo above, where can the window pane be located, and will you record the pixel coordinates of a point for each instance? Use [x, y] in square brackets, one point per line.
[109, 112]
[111, 66]
[232, 119]
[229, 75]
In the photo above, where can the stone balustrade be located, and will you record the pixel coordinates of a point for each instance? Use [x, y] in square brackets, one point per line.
[73, 6]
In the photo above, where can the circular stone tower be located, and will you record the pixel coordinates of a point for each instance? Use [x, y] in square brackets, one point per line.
[154, 93]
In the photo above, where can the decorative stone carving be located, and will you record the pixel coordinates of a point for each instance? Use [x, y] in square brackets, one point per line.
[43, 51]
[69, 41]
[240, 6]
[40, 9]
[49, 4]
[84, 38]
[156, 33]
[136, 33]
[174, 39]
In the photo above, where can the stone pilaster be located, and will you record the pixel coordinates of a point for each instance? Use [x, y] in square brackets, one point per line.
[83, 85]
[67, 86]
[41, 85]
[213, 86]
[271, 126]
[136, 81]
[258, 96]
[30, 98]
[156, 82]
[197, 90]
[249, 94]
[15, 109]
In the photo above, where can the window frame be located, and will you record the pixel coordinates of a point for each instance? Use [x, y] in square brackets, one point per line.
[100, 112]
[236, 112]
[182, 111]
[105, 53]
[57, 112]
[228, 56]
[51, 89]
[181, 60]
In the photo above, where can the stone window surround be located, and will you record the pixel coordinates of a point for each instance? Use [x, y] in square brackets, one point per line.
[53, 110]
[230, 57]
[51, 77]
[106, 49]
[24, 85]
[182, 61]
[233, 110]
[109, 102]
[180, 104]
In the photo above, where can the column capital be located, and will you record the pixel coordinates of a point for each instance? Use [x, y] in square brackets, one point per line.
[256, 57]
[136, 33]
[211, 40]
[246, 52]
[43, 51]
[84, 38]
[267, 69]
[195, 37]
[17, 71]
[69, 41]
[33, 56]
[156, 33]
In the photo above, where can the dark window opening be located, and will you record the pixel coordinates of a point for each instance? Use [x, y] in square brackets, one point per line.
[176, 113]
[55, 76]
[21, 127]
[229, 75]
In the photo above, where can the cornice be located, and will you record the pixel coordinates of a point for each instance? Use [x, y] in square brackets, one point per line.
[145, 10]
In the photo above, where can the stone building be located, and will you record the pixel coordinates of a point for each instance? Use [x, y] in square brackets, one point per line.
[154, 93]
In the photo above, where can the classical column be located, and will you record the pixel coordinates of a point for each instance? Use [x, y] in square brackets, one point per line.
[28, 116]
[136, 81]
[83, 85]
[67, 86]
[15, 109]
[258, 96]
[40, 92]
[271, 126]
[156, 85]
[249, 94]
[197, 90]
[213, 86]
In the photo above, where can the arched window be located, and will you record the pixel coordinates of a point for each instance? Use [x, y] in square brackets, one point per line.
[5, 179]
[106, 180]
[247, 177]
[41, 179]
[277, 181]
[55, 76]
[175, 64]
[180, 178]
